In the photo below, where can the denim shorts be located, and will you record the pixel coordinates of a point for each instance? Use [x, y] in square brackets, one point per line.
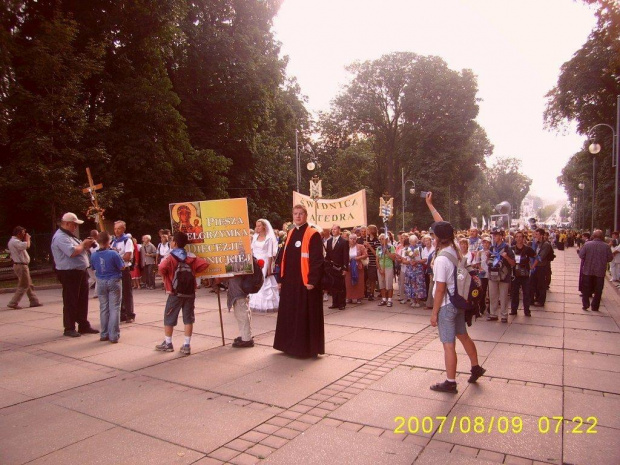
[450, 322]
[174, 305]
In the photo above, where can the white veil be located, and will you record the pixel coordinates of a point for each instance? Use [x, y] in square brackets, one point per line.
[269, 234]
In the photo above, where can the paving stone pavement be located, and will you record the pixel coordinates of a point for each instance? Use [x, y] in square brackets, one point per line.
[366, 401]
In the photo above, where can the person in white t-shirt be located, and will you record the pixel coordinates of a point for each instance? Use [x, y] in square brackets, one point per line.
[449, 320]
[123, 244]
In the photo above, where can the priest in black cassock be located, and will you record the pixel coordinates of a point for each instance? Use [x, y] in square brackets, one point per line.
[300, 331]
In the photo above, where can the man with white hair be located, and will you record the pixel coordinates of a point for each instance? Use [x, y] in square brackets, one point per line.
[148, 256]
[123, 244]
[71, 261]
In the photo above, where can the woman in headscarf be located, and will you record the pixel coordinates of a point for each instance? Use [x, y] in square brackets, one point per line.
[265, 247]
[354, 279]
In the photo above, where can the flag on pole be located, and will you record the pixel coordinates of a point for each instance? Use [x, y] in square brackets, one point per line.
[484, 223]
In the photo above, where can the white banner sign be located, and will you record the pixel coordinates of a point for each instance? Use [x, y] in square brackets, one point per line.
[346, 212]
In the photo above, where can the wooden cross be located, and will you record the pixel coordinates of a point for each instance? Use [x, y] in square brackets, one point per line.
[92, 190]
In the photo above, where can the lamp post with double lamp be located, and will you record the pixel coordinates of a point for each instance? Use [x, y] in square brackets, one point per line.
[404, 187]
[595, 148]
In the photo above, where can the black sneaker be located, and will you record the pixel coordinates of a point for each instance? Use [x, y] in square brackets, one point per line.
[382, 303]
[89, 330]
[71, 333]
[492, 318]
[446, 386]
[242, 343]
[476, 373]
[185, 350]
[528, 313]
[513, 313]
[165, 347]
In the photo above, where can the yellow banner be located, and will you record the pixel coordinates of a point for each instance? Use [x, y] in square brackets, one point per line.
[218, 230]
[346, 212]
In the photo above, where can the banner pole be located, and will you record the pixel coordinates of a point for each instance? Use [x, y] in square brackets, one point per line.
[219, 307]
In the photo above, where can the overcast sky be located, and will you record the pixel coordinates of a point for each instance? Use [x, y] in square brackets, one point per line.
[516, 49]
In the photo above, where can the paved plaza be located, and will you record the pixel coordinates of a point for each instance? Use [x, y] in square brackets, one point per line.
[65, 400]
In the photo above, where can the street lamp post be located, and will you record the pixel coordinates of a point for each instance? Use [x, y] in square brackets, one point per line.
[582, 186]
[404, 187]
[595, 148]
[575, 212]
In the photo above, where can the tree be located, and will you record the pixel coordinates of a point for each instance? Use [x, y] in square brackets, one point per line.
[507, 183]
[418, 115]
[45, 111]
[165, 100]
[237, 101]
[586, 93]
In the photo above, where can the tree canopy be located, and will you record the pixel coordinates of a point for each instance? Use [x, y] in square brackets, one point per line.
[586, 94]
[407, 112]
[178, 100]
[165, 101]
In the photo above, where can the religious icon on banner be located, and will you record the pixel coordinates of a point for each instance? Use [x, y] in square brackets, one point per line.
[316, 189]
[386, 207]
[217, 230]
[186, 218]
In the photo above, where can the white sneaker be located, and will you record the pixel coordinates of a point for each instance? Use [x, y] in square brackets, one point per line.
[325, 297]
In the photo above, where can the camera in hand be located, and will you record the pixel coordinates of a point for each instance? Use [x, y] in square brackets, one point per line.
[423, 194]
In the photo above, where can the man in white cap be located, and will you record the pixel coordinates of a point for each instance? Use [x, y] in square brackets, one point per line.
[71, 262]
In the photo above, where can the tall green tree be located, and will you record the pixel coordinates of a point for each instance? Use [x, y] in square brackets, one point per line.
[418, 115]
[586, 94]
[45, 109]
[237, 101]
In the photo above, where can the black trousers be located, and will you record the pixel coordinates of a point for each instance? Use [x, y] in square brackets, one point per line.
[482, 300]
[538, 284]
[592, 285]
[127, 298]
[520, 282]
[339, 293]
[74, 298]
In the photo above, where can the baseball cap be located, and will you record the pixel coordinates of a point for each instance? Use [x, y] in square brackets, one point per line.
[71, 218]
[442, 229]
[486, 238]
[497, 231]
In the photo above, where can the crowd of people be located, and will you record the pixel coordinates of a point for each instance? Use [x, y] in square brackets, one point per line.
[422, 266]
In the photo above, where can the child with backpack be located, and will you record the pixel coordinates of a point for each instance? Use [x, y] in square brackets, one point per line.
[178, 271]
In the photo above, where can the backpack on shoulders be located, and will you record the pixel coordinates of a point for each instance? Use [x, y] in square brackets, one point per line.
[252, 283]
[466, 289]
[183, 281]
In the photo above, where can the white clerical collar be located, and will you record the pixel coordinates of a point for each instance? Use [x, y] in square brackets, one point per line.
[300, 226]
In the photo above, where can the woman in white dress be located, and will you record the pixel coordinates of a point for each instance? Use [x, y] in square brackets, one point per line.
[265, 247]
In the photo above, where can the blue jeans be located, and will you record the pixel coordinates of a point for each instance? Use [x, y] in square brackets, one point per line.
[109, 292]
